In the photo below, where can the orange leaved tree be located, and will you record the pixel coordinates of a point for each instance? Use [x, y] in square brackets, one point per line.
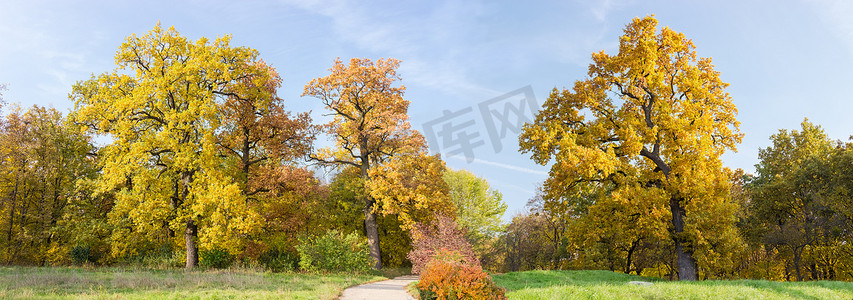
[372, 133]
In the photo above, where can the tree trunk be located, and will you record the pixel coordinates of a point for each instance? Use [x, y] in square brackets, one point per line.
[797, 261]
[787, 270]
[371, 228]
[686, 262]
[554, 257]
[191, 236]
[13, 200]
[816, 274]
[634, 245]
[245, 158]
[830, 273]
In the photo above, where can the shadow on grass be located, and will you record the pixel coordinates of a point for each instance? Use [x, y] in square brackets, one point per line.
[540, 278]
[604, 284]
[790, 289]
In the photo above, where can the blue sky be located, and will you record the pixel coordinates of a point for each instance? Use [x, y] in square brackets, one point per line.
[785, 60]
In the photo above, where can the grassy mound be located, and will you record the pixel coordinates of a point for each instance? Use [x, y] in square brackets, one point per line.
[610, 285]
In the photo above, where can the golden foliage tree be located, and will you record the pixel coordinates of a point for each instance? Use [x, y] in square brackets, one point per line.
[411, 187]
[372, 133]
[42, 157]
[651, 120]
[161, 107]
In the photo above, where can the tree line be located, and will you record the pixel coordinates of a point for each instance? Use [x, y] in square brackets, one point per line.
[203, 160]
[637, 185]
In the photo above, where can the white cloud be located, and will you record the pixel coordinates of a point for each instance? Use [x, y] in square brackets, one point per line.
[395, 33]
[504, 166]
[602, 8]
[61, 64]
[44, 52]
[518, 188]
[837, 15]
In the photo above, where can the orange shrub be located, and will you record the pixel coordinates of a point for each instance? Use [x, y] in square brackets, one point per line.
[447, 277]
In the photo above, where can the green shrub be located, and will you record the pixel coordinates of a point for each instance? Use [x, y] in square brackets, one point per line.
[156, 257]
[164, 258]
[215, 258]
[277, 260]
[334, 252]
[81, 254]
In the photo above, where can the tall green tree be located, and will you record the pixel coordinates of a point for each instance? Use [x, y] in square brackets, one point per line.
[479, 208]
[652, 119]
[792, 193]
[161, 109]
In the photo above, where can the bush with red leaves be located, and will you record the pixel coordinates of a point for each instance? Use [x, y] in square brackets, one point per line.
[443, 233]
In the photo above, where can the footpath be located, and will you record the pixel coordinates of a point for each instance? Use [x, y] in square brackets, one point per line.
[392, 289]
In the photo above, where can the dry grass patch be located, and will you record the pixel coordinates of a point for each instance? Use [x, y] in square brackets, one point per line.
[111, 283]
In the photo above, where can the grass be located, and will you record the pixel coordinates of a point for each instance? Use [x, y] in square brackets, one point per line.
[117, 283]
[392, 272]
[610, 285]
[412, 289]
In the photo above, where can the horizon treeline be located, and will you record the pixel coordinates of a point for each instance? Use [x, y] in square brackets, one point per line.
[205, 167]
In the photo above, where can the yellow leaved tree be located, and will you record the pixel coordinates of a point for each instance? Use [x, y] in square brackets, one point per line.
[161, 108]
[648, 125]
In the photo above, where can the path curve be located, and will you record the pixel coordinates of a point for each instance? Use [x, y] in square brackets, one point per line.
[391, 289]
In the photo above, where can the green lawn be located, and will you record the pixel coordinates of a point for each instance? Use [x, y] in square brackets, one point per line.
[610, 285]
[115, 283]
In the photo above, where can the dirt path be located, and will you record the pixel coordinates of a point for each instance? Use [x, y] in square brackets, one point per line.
[391, 289]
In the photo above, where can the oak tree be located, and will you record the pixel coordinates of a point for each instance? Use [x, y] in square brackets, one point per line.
[161, 108]
[652, 119]
[263, 144]
[260, 133]
[370, 129]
